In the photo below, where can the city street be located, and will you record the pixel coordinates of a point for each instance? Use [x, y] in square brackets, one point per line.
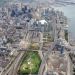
[13, 68]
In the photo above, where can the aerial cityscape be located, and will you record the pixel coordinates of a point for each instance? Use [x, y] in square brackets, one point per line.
[37, 37]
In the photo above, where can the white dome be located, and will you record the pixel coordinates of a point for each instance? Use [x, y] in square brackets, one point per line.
[43, 21]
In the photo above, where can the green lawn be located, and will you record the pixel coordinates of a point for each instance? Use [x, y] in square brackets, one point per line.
[30, 64]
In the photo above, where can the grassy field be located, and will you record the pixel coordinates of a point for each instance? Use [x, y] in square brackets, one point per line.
[30, 64]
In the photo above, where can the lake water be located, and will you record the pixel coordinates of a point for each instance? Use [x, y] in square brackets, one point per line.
[69, 11]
